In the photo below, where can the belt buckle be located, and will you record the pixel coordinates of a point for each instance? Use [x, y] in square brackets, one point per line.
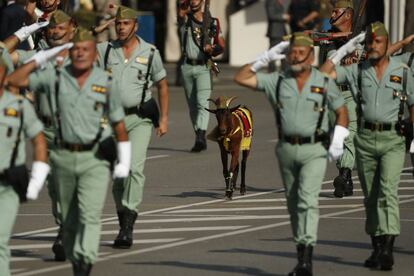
[377, 127]
[295, 140]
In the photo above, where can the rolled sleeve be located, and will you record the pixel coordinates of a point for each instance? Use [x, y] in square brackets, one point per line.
[39, 80]
[335, 99]
[116, 111]
[32, 125]
[158, 70]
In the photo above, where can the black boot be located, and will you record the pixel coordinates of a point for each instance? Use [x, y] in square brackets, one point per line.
[126, 222]
[57, 247]
[304, 266]
[386, 259]
[200, 141]
[343, 183]
[81, 269]
[372, 261]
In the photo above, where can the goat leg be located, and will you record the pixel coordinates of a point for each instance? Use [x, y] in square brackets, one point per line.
[245, 154]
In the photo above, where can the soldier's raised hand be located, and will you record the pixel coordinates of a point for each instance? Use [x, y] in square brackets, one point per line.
[43, 56]
[336, 149]
[24, 32]
[348, 48]
[275, 53]
[121, 169]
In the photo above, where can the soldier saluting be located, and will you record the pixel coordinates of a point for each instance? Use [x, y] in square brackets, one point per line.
[198, 47]
[300, 97]
[382, 86]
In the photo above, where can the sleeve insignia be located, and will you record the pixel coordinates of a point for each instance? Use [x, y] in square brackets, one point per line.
[317, 90]
[142, 60]
[99, 89]
[395, 79]
[11, 112]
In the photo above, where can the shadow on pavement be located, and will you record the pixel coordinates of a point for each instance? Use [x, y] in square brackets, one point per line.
[211, 267]
[197, 194]
[169, 149]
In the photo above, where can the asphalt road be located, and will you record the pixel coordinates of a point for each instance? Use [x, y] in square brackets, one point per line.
[185, 227]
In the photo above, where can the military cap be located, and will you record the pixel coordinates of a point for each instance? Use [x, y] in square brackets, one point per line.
[344, 4]
[377, 29]
[59, 17]
[83, 34]
[126, 13]
[301, 39]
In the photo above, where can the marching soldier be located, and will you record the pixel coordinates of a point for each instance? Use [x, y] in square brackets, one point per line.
[382, 86]
[84, 97]
[138, 66]
[59, 31]
[196, 65]
[300, 97]
[17, 122]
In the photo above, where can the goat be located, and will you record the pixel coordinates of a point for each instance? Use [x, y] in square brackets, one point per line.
[233, 133]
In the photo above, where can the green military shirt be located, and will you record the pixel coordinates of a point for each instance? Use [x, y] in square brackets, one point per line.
[405, 58]
[10, 110]
[81, 109]
[131, 73]
[379, 101]
[192, 39]
[300, 111]
[4, 53]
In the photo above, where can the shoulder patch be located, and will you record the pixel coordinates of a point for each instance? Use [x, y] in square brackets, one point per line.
[99, 89]
[317, 89]
[395, 79]
[11, 112]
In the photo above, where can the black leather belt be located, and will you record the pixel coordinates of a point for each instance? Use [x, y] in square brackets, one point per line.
[131, 110]
[377, 126]
[78, 147]
[297, 140]
[195, 61]
[47, 121]
[344, 87]
[2, 176]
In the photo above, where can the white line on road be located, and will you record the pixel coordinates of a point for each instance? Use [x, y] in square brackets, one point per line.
[157, 156]
[266, 200]
[257, 208]
[214, 218]
[364, 218]
[191, 241]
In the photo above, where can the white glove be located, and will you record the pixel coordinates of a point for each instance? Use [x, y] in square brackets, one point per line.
[336, 149]
[121, 169]
[348, 48]
[24, 32]
[43, 56]
[38, 176]
[270, 55]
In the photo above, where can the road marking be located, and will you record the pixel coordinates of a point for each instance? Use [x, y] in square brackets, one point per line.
[49, 245]
[44, 258]
[257, 209]
[191, 241]
[157, 156]
[364, 218]
[284, 199]
[360, 190]
[214, 218]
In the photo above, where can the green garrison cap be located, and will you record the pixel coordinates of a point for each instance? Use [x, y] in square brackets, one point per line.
[344, 4]
[59, 17]
[378, 29]
[126, 13]
[82, 34]
[301, 39]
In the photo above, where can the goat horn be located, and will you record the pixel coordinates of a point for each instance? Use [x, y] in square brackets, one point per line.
[211, 100]
[228, 102]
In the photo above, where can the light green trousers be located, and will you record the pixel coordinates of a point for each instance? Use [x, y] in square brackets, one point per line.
[51, 185]
[303, 169]
[347, 160]
[128, 193]
[380, 159]
[82, 183]
[197, 86]
[9, 205]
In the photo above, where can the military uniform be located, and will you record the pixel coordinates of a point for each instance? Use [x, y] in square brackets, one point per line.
[131, 74]
[82, 176]
[11, 107]
[380, 149]
[4, 54]
[43, 110]
[302, 165]
[196, 75]
[343, 183]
